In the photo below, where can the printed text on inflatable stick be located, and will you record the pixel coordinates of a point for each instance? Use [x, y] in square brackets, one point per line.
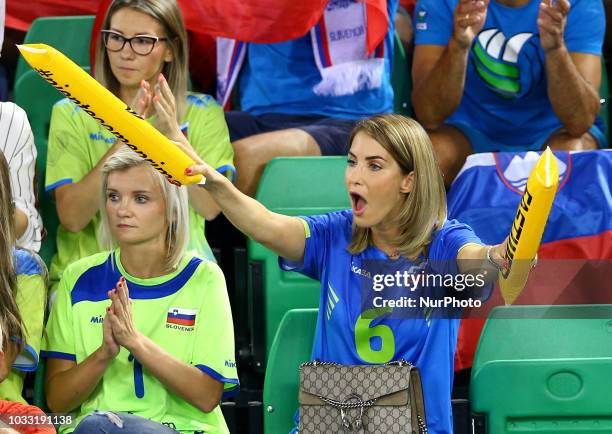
[48, 76]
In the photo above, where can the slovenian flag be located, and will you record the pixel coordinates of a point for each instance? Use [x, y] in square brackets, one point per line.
[577, 241]
[184, 317]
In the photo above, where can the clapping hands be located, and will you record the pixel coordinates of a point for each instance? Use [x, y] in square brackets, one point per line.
[552, 19]
[470, 16]
[158, 100]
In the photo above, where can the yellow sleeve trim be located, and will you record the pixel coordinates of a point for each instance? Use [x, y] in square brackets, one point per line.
[468, 244]
[306, 227]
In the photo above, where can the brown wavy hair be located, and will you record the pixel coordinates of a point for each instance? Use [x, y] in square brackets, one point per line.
[10, 318]
[424, 209]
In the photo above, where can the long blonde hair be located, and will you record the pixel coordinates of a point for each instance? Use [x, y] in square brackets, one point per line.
[424, 208]
[177, 208]
[169, 15]
[10, 318]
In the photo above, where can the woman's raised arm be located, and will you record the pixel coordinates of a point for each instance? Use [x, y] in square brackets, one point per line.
[282, 234]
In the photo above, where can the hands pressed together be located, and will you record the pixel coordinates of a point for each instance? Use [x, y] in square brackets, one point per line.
[119, 329]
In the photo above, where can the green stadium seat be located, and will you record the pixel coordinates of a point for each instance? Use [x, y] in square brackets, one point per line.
[292, 346]
[37, 97]
[70, 35]
[544, 369]
[291, 186]
[401, 80]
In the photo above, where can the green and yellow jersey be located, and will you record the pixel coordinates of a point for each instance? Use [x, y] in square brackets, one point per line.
[187, 313]
[31, 299]
[77, 143]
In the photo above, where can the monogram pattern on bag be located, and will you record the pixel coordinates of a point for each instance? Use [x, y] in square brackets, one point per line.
[338, 383]
[316, 419]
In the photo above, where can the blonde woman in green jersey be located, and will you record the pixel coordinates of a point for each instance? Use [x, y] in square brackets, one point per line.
[142, 58]
[140, 337]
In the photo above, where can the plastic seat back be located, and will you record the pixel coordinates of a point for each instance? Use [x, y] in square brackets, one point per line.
[401, 80]
[292, 346]
[70, 35]
[291, 186]
[544, 369]
[37, 97]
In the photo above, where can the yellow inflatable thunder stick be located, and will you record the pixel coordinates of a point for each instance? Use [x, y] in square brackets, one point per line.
[112, 113]
[528, 225]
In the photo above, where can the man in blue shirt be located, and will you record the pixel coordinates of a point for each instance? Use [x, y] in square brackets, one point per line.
[507, 75]
[282, 113]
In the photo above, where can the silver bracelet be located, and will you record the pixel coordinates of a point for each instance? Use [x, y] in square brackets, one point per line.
[492, 262]
[534, 261]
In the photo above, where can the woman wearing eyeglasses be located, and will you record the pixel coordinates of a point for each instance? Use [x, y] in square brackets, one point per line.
[142, 58]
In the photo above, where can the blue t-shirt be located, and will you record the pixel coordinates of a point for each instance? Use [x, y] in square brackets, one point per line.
[279, 78]
[505, 94]
[344, 333]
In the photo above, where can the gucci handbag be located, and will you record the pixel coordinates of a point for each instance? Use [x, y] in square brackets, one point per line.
[372, 399]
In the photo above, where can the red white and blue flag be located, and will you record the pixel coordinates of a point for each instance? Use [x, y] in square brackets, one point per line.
[180, 316]
[576, 249]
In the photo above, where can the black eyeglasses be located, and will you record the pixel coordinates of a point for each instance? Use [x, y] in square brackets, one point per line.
[142, 45]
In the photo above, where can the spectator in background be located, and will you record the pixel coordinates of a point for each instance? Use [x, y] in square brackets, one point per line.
[142, 59]
[607, 47]
[22, 299]
[303, 96]
[9, 408]
[17, 145]
[507, 75]
[158, 349]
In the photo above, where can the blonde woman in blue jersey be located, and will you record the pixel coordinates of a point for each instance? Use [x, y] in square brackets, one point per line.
[398, 218]
[140, 337]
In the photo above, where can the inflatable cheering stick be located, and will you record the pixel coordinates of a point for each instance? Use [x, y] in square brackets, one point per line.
[528, 226]
[112, 113]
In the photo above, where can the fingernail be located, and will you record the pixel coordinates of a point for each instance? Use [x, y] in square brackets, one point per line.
[188, 171]
[108, 309]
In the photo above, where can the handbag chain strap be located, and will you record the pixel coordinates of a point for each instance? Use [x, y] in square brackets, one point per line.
[346, 404]
[400, 362]
[422, 426]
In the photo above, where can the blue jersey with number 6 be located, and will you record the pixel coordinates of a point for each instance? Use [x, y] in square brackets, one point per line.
[349, 335]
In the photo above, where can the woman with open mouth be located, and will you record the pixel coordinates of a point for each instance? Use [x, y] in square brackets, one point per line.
[397, 222]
